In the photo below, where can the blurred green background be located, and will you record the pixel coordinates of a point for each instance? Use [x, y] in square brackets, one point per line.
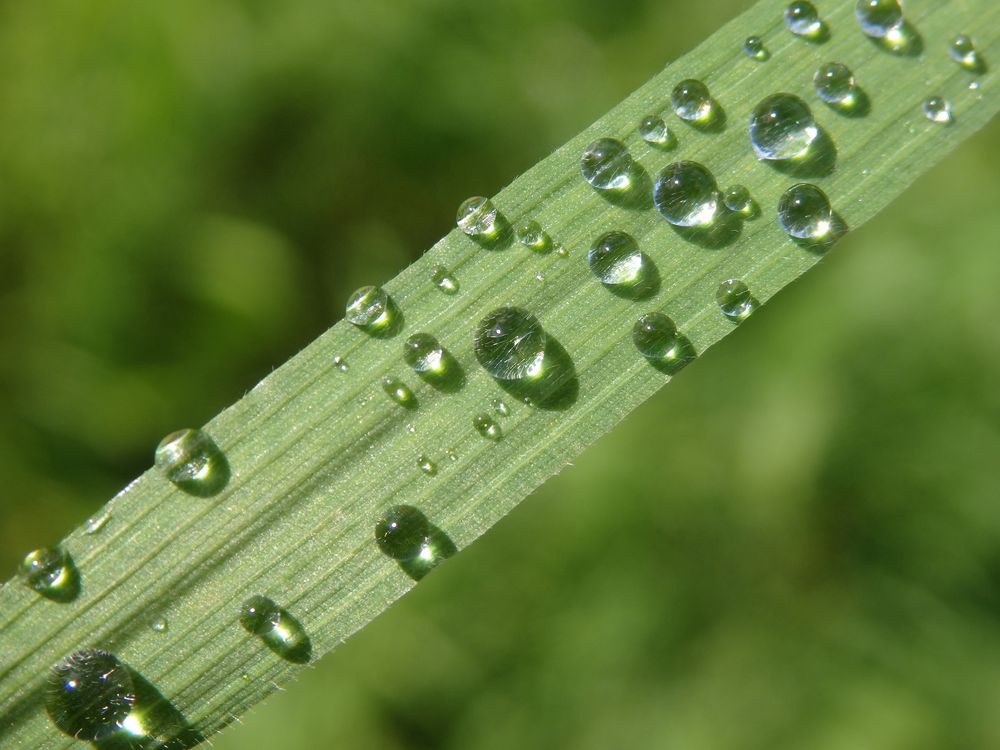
[796, 544]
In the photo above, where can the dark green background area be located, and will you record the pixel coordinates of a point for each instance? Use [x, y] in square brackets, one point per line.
[797, 544]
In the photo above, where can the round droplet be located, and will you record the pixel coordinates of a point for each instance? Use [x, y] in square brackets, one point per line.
[615, 259]
[441, 278]
[737, 198]
[734, 299]
[686, 194]
[487, 427]
[510, 344]
[276, 628]
[606, 164]
[804, 212]
[425, 465]
[368, 307]
[398, 391]
[691, 101]
[159, 625]
[562, 252]
[755, 49]
[531, 235]
[802, 19]
[90, 694]
[835, 84]
[937, 109]
[500, 407]
[655, 335]
[782, 127]
[192, 461]
[478, 217]
[652, 129]
[402, 532]
[50, 572]
[879, 18]
[423, 353]
[340, 364]
[963, 51]
[95, 523]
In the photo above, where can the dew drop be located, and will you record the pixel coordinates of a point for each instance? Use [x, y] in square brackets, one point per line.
[835, 84]
[879, 19]
[607, 165]
[802, 19]
[735, 300]
[478, 217]
[423, 353]
[937, 109]
[399, 392]
[686, 194]
[369, 307]
[340, 363]
[451, 454]
[95, 523]
[655, 335]
[441, 278]
[652, 129]
[411, 429]
[782, 127]
[51, 572]
[691, 101]
[963, 51]
[405, 535]
[425, 465]
[532, 236]
[737, 199]
[192, 461]
[804, 212]
[90, 694]
[159, 625]
[510, 344]
[500, 407]
[562, 252]
[615, 259]
[754, 48]
[276, 628]
[487, 427]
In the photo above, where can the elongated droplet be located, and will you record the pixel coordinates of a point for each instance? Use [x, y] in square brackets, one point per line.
[691, 101]
[90, 695]
[755, 49]
[50, 571]
[487, 427]
[606, 164]
[686, 194]
[804, 212]
[835, 84]
[615, 259]
[652, 129]
[443, 279]
[276, 628]
[399, 392]
[97, 522]
[192, 461]
[802, 19]
[655, 335]
[879, 18]
[402, 532]
[735, 300]
[937, 109]
[782, 127]
[510, 344]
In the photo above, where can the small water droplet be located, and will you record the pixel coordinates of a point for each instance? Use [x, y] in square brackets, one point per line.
[97, 522]
[615, 259]
[478, 217]
[974, 85]
[51, 572]
[340, 363]
[607, 165]
[835, 84]
[686, 194]
[782, 127]
[879, 18]
[411, 429]
[405, 535]
[691, 101]
[735, 300]
[423, 353]
[399, 392]
[487, 427]
[192, 461]
[441, 278]
[802, 19]
[500, 407]
[369, 307]
[963, 51]
[804, 212]
[562, 252]
[90, 694]
[652, 129]
[937, 109]
[278, 630]
[532, 236]
[510, 344]
[159, 625]
[755, 49]
[425, 465]
[451, 454]
[655, 336]
[737, 199]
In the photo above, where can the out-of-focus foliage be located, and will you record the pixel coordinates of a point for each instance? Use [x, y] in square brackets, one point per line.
[796, 544]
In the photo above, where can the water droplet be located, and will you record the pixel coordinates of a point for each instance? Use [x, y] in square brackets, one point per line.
[423, 353]
[686, 194]
[411, 429]
[500, 407]
[562, 252]
[735, 300]
[340, 363]
[974, 85]
[478, 217]
[50, 571]
[441, 278]
[90, 695]
[607, 165]
[879, 19]
[755, 49]
[487, 427]
[737, 199]
[425, 465]
[532, 236]
[510, 344]
[802, 19]
[655, 336]
[937, 109]
[159, 625]
[405, 535]
[963, 51]
[451, 454]
[654, 130]
[804, 212]
[399, 392]
[279, 631]
[615, 259]
[97, 522]
[691, 101]
[835, 84]
[782, 127]
[192, 461]
[369, 307]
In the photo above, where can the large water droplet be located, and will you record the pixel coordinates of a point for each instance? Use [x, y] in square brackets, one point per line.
[442, 278]
[835, 84]
[652, 129]
[804, 212]
[963, 51]
[782, 127]
[50, 571]
[802, 19]
[510, 344]
[735, 300]
[607, 165]
[879, 18]
[686, 194]
[192, 461]
[487, 427]
[90, 695]
[368, 307]
[479, 218]
[404, 534]
[278, 630]
[937, 109]
[532, 236]
[399, 392]
[615, 259]
[655, 335]
[691, 101]
[754, 48]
